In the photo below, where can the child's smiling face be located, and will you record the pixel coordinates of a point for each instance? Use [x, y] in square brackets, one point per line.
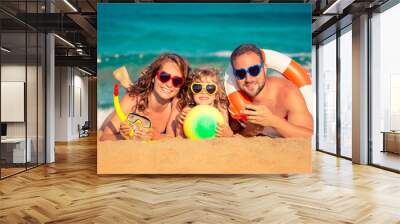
[203, 98]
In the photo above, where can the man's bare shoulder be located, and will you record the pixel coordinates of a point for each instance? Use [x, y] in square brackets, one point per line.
[285, 89]
[281, 83]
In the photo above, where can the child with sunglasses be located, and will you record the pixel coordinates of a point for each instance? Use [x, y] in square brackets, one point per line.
[204, 87]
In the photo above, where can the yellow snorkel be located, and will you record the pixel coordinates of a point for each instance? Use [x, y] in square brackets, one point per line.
[121, 115]
[135, 121]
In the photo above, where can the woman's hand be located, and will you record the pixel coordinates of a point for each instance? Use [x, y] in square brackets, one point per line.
[125, 130]
[138, 134]
[182, 115]
[121, 74]
[144, 134]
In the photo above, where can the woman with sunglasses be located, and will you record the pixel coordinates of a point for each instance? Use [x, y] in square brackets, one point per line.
[204, 88]
[153, 95]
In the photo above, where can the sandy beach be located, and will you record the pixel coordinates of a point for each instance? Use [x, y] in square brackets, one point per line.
[233, 155]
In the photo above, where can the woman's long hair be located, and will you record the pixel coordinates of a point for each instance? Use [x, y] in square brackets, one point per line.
[197, 75]
[145, 83]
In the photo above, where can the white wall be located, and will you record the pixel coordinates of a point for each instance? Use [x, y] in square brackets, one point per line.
[71, 102]
[61, 103]
[13, 73]
[80, 110]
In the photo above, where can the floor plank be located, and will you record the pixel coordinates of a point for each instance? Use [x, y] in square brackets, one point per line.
[70, 191]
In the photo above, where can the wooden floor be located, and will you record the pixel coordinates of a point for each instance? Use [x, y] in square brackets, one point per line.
[5, 172]
[70, 191]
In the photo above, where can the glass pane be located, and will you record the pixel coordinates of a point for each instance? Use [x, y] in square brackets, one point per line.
[31, 98]
[346, 94]
[327, 96]
[13, 86]
[23, 82]
[386, 89]
[41, 98]
[31, 85]
[314, 85]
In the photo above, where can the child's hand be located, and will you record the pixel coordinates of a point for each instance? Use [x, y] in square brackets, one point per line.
[125, 129]
[223, 130]
[182, 115]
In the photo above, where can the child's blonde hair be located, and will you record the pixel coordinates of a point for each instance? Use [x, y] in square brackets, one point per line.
[197, 75]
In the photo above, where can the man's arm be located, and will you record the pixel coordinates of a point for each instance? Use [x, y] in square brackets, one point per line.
[299, 121]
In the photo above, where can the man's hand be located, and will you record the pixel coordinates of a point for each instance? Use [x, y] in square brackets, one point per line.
[259, 114]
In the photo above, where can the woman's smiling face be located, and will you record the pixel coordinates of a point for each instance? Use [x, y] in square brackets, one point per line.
[166, 90]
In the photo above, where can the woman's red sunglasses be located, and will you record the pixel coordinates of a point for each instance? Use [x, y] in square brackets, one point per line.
[165, 77]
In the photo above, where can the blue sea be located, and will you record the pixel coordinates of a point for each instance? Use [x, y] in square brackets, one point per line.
[133, 35]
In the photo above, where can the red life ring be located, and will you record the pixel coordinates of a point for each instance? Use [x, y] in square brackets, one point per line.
[276, 61]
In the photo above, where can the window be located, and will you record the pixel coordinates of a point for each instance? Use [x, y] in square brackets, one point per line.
[346, 92]
[327, 95]
[385, 89]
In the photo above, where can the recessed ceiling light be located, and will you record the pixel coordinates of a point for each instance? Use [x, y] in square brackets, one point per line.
[5, 50]
[84, 71]
[70, 5]
[337, 7]
[65, 41]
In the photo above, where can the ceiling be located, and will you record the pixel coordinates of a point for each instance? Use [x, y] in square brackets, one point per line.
[75, 21]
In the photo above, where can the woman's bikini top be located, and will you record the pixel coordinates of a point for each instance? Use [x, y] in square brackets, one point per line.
[165, 130]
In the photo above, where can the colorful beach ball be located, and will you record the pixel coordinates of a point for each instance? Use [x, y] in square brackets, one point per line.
[201, 122]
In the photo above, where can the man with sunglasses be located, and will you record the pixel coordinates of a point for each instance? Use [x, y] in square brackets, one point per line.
[278, 108]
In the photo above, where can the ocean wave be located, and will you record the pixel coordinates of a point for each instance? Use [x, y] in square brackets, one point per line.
[227, 54]
[137, 61]
[299, 55]
[222, 54]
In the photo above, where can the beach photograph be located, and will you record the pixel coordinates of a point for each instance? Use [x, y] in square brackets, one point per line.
[201, 38]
